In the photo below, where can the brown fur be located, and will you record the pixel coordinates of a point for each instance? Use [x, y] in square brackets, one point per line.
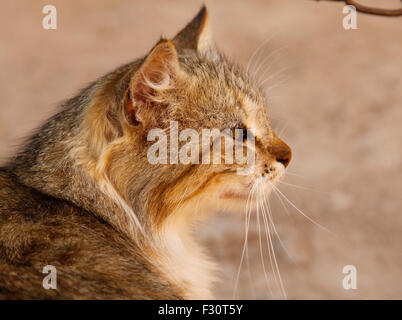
[83, 197]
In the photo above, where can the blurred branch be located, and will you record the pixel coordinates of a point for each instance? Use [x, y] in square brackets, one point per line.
[370, 10]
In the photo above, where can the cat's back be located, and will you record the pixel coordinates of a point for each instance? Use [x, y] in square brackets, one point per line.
[92, 260]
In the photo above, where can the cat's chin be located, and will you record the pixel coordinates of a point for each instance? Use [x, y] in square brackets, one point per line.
[245, 196]
[252, 191]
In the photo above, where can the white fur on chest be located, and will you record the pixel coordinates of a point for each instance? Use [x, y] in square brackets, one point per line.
[184, 264]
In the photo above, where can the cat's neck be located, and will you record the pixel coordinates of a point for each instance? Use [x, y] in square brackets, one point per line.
[48, 163]
[170, 247]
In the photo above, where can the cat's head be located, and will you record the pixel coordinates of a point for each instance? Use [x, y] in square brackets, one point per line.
[185, 81]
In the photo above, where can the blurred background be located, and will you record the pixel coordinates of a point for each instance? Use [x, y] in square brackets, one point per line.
[335, 96]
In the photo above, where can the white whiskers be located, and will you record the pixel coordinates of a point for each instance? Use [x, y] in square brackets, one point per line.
[265, 221]
[270, 228]
[245, 249]
[298, 210]
[302, 187]
[263, 216]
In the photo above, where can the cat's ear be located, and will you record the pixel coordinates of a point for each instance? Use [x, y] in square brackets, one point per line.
[157, 74]
[196, 35]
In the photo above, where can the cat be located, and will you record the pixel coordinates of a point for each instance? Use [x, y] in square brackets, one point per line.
[83, 197]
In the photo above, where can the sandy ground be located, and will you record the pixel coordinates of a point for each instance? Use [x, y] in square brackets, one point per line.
[338, 105]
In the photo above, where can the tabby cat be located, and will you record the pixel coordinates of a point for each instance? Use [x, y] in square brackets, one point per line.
[83, 197]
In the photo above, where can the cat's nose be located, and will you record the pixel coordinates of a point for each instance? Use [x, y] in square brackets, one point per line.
[281, 151]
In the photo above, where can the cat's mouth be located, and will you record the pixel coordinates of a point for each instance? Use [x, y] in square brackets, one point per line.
[234, 195]
[266, 181]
